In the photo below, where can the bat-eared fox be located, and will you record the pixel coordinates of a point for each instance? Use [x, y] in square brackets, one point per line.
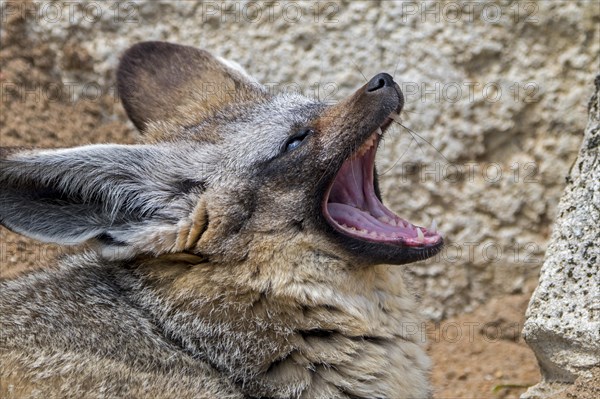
[241, 250]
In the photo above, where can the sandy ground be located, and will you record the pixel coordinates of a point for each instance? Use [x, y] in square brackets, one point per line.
[482, 354]
[477, 355]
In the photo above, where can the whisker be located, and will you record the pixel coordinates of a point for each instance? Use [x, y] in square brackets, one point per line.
[399, 159]
[413, 134]
[326, 171]
[354, 149]
[320, 79]
[363, 75]
[396, 69]
[355, 146]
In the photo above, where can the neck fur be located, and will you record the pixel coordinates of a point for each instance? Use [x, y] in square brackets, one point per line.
[290, 330]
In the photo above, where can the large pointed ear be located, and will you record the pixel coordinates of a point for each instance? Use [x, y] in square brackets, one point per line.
[126, 199]
[182, 85]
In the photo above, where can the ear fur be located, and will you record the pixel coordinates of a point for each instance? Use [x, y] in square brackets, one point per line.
[181, 85]
[128, 199]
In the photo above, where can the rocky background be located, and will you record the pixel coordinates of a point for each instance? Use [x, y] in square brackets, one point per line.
[496, 105]
[563, 317]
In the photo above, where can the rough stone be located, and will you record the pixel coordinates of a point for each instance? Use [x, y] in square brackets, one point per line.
[563, 318]
[496, 92]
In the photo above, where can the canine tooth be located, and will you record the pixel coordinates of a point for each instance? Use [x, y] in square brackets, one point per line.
[373, 234]
[420, 235]
[379, 131]
[352, 229]
[363, 231]
[396, 117]
[433, 227]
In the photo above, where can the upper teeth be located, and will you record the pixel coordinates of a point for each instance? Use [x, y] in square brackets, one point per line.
[366, 146]
[420, 234]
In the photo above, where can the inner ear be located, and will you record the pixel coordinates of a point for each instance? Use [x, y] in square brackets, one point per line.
[182, 85]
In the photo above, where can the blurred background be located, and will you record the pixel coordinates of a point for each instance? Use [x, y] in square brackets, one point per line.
[496, 103]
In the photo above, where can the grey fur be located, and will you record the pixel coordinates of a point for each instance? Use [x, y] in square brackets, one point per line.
[210, 276]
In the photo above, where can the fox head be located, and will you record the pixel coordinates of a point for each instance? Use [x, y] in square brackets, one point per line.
[226, 171]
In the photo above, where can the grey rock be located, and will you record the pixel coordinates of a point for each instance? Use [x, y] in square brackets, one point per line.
[563, 318]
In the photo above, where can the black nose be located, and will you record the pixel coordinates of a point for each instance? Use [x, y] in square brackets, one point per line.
[380, 81]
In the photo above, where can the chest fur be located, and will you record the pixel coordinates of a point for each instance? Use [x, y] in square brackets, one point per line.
[319, 342]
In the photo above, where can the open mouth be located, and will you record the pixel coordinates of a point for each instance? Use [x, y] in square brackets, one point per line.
[352, 207]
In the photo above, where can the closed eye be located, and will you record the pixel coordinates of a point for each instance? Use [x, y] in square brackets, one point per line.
[296, 140]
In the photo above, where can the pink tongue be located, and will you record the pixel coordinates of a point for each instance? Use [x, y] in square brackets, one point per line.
[354, 217]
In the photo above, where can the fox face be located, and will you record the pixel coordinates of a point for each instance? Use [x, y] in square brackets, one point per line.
[227, 171]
